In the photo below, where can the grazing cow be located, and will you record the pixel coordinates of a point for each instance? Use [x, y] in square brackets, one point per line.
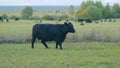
[17, 18]
[7, 20]
[105, 20]
[1, 18]
[87, 20]
[51, 32]
[114, 20]
[110, 20]
[80, 20]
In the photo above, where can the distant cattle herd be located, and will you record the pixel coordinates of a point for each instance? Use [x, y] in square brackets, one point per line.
[79, 20]
[7, 20]
[87, 20]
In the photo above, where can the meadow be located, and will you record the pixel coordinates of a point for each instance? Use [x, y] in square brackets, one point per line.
[77, 55]
[20, 31]
[91, 46]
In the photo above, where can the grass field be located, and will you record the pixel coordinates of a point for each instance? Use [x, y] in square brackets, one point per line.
[73, 55]
[38, 13]
[91, 46]
[20, 31]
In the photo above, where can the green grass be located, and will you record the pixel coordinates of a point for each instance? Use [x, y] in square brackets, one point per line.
[15, 31]
[21, 31]
[73, 55]
[79, 54]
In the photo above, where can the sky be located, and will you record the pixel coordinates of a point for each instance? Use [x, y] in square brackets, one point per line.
[50, 2]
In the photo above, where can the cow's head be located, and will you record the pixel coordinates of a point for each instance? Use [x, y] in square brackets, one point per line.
[70, 27]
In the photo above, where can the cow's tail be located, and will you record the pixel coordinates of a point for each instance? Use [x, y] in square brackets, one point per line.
[33, 36]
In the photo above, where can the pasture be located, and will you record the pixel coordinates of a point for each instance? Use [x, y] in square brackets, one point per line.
[92, 46]
[20, 31]
[73, 55]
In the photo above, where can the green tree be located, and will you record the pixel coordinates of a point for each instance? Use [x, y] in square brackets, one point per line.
[96, 10]
[107, 11]
[84, 5]
[4, 16]
[93, 12]
[99, 4]
[27, 12]
[88, 10]
[100, 7]
[64, 17]
[71, 11]
[116, 11]
[80, 14]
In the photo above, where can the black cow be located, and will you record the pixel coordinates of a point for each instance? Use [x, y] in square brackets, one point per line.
[7, 20]
[1, 18]
[51, 32]
[87, 20]
[80, 20]
[17, 18]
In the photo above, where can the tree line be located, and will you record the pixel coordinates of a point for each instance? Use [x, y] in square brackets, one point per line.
[27, 13]
[96, 10]
[88, 10]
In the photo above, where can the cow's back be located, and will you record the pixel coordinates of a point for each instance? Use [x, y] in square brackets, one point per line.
[44, 28]
[46, 32]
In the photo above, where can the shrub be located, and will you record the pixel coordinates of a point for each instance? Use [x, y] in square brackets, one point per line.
[50, 17]
[55, 17]
[27, 12]
[35, 18]
[63, 17]
[13, 17]
[4, 16]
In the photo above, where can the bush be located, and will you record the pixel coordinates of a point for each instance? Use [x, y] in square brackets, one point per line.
[4, 16]
[35, 18]
[55, 17]
[27, 12]
[13, 17]
[63, 17]
[50, 17]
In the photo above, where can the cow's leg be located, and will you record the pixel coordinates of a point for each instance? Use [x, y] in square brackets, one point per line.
[60, 45]
[56, 45]
[33, 41]
[43, 42]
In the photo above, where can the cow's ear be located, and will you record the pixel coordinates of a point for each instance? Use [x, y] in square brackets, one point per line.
[65, 23]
